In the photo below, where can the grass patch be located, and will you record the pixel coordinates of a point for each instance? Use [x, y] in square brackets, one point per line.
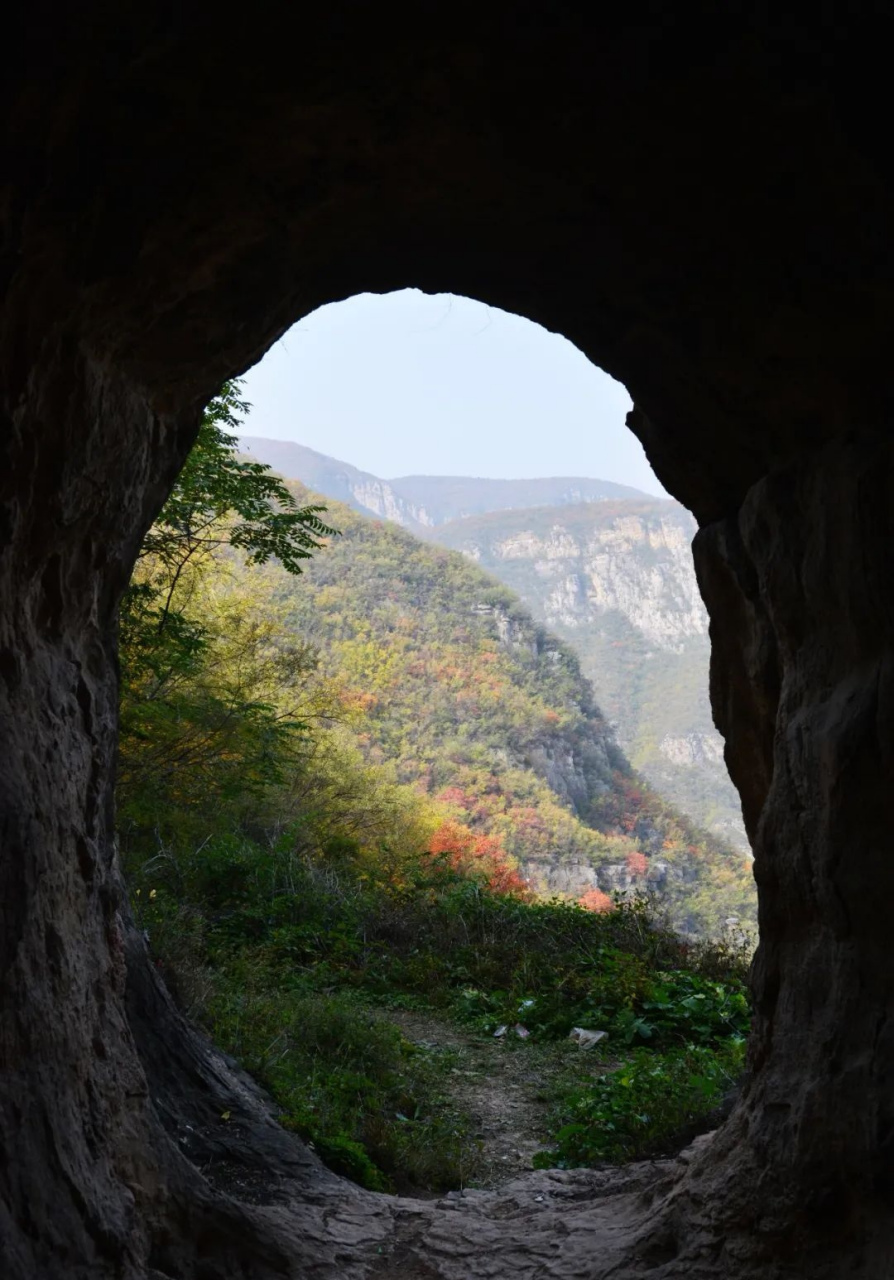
[370, 1103]
[650, 1104]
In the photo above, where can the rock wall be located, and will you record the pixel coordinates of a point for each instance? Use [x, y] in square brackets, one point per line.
[638, 567]
[802, 671]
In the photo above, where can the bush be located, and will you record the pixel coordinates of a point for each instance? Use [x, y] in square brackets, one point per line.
[649, 1105]
[281, 958]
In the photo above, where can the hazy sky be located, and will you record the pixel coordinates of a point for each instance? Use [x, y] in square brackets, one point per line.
[413, 384]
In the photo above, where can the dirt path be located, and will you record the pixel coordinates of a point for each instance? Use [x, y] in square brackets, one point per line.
[501, 1085]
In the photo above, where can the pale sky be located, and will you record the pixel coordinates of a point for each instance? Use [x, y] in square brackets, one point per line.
[417, 384]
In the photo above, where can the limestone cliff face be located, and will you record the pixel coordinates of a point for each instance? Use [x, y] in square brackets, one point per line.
[637, 565]
[379, 498]
[616, 580]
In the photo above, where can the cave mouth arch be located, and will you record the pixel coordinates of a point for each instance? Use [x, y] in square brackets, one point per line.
[722, 260]
[414, 385]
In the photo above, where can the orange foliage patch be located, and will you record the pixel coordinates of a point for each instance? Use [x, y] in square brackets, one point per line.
[596, 900]
[637, 864]
[474, 855]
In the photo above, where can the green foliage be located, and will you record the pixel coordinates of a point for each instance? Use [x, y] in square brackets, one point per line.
[221, 499]
[646, 1106]
[281, 957]
[200, 720]
[367, 1100]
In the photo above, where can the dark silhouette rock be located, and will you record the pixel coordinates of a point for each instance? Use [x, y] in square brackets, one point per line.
[701, 200]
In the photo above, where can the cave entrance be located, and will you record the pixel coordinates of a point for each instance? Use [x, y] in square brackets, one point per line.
[707, 224]
[441, 724]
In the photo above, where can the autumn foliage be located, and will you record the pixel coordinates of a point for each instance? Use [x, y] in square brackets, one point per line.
[477, 856]
[596, 900]
[637, 864]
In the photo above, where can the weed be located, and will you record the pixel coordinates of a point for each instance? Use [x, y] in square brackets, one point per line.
[646, 1106]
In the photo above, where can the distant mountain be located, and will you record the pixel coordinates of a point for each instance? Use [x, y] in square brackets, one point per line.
[461, 694]
[424, 502]
[444, 498]
[604, 566]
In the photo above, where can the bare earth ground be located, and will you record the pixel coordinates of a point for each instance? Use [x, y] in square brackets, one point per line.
[502, 1085]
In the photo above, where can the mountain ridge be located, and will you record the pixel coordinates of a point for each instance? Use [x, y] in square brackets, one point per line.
[419, 502]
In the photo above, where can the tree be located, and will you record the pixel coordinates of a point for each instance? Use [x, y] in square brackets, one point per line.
[200, 721]
[596, 900]
[219, 499]
[637, 863]
[474, 855]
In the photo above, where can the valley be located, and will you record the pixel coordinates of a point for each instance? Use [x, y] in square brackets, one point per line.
[468, 699]
[384, 846]
[606, 568]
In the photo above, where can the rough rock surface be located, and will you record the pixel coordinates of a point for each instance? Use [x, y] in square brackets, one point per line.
[639, 568]
[702, 201]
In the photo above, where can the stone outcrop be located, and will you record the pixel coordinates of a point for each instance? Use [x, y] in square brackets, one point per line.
[701, 200]
[633, 565]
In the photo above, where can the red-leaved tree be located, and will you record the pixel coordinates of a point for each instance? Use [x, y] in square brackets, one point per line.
[477, 856]
[637, 864]
[596, 900]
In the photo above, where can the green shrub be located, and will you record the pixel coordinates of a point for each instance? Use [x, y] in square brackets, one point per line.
[282, 957]
[646, 1106]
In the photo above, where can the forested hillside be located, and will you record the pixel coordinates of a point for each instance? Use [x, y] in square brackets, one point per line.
[615, 580]
[470, 701]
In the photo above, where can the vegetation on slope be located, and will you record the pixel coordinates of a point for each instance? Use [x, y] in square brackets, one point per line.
[296, 882]
[656, 693]
[293, 966]
[475, 705]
